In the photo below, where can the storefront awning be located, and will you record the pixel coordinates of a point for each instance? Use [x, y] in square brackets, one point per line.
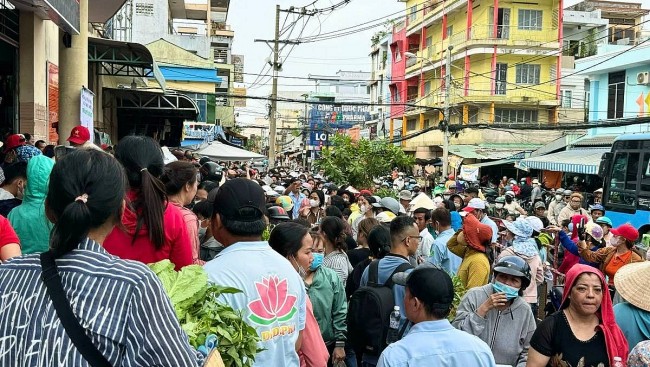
[124, 59]
[490, 152]
[492, 163]
[156, 102]
[585, 161]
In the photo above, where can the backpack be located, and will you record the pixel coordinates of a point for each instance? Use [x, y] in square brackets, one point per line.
[369, 312]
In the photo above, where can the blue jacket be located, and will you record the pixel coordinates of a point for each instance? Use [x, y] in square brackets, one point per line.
[28, 219]
[572, 247]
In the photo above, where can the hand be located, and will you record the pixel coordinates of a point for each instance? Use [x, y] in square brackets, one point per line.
[553, 229]
[494, 300]
[338, 355]
[581, 231]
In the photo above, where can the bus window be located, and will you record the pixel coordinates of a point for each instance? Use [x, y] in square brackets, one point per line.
[632, 171]
[618, 171]
[645, 175]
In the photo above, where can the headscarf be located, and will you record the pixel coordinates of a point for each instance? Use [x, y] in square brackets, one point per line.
[570, 260]
[476, 234]
[615, 341]
[523, 244]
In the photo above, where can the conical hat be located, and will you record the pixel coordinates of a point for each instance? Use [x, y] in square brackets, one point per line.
[632, 281]
[422, 201]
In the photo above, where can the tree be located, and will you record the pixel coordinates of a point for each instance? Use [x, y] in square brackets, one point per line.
[358, 162]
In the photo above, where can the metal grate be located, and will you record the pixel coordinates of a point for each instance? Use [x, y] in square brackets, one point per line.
[8, 23]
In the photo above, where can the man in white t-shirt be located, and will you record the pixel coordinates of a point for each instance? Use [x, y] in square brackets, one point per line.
[422, 217]
[273, 300]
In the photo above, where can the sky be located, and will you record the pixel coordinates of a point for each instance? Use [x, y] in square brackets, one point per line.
[348, 53]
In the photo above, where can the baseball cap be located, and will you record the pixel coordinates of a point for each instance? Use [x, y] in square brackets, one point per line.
[536, 181]
[14, 141]
[431, 285]
[405, 195]
[540, 204]
[79, 135]
[475, 203]
[235, 197]
[627, 231]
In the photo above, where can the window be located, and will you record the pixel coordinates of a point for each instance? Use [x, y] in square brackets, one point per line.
[202, 103]
[625, 168]
[567, 96]
[501, 79]
[616, 95]
[505, 115]
[450, 31]
[427, 88]
[414, 13]
[527, 74]
[530, 19]
[411, 124]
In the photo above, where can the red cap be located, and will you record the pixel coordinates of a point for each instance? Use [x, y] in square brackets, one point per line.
[365, 192]
[79, 135]
[627, 231]
[14, 141]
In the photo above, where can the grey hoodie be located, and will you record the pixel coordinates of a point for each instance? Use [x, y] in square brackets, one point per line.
[507, 332]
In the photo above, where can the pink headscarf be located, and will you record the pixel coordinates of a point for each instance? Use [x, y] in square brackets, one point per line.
[615, 341]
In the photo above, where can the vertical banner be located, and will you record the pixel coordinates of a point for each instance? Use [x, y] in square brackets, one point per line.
[86, 116]
[52, 102]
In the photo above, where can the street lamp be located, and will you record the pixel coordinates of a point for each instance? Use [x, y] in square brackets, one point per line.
[445, 126]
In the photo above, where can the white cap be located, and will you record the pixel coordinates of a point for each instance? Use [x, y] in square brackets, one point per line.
[476, 203]
[536, 181]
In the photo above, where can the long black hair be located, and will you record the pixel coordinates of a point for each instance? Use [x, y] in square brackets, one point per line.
[333, 228]
[86, 190]
[286, 238]
[142, 159]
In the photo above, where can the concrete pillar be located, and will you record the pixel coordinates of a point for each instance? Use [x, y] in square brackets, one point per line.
[73, 64]
[32, 76]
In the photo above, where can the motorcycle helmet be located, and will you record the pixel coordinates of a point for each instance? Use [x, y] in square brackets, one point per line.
[515, 266]
[500, 200]
[211, 171]
[203, 160]
[278, 213]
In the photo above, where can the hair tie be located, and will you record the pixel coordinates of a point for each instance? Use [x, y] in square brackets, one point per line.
[144, 169]
[82, 198]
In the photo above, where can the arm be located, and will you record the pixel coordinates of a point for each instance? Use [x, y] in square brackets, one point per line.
[521, 210]
[8, 251]
[568, 244]
[597, 256]
[526, 335]
[536, 359]
[455, 247]
[181, 247]
[154, 336]
[339, 311]
[550, 214]
[467, 318]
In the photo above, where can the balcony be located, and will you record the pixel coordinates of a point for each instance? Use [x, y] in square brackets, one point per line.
[482, 35]
[430, 53]
[218, 29]
[584, 18]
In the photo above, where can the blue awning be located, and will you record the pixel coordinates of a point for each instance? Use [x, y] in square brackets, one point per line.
[205, 75]
[585, 161]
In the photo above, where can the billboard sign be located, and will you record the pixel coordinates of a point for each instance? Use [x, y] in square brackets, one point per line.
[238, 68]
[325, 119]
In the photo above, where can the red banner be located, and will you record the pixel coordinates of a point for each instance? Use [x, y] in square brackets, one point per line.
[53, 101]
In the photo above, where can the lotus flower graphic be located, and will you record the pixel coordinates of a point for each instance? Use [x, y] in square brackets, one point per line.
[274, 303]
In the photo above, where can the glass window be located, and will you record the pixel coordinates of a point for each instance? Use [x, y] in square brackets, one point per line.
[505, 115]
[645, 173]
[616, 95]
[527, 73]
[530, 19]
[567, 96]
[414, 13]
[624, 171]
[411, 124]
[427, 88]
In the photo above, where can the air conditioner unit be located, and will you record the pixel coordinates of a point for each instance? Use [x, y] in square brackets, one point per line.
[643, 78]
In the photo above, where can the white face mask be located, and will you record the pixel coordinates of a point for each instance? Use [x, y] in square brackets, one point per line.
[614, 241]
[314, 203]
[363, 209]
[558, 197]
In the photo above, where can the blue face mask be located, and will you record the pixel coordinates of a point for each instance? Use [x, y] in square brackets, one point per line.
[511, 292]
[318, 261]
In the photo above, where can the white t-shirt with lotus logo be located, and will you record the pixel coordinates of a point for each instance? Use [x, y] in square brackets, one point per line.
[273, 299]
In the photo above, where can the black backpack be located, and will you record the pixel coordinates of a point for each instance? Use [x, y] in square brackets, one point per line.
[369, 312]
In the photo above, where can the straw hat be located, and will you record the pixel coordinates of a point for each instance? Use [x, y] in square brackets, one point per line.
[632, 281]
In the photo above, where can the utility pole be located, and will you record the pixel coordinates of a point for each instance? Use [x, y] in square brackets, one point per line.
[276, 67]
[445, 128]
[305, 123]
[274, 90]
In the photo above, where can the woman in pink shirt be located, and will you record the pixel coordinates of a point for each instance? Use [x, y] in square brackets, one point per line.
[151, 230]
[180, 179]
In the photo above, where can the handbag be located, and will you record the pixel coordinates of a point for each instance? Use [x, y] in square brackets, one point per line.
[76, 332]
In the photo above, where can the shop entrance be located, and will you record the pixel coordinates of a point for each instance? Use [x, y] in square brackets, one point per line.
[8, 68]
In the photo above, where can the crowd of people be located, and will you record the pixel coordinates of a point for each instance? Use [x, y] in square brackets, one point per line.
[331, 275]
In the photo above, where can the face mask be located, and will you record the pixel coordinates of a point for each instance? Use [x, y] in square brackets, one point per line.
[346, 200]
[558, 197]
[498, 205]
[318, 261]
[508, 199]
[301, 271]
[363, 209]
[313, 203]
[446, 197]
[511, 292]
[614, 241]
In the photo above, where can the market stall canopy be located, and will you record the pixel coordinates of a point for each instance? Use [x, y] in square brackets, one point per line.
[219, 151]
[585, 161]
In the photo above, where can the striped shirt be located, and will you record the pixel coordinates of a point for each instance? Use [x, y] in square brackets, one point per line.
[339, 262]
[120, 303]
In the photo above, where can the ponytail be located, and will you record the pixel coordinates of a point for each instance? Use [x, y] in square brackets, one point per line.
[86, 191]
[151, 204]
[71, 227]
